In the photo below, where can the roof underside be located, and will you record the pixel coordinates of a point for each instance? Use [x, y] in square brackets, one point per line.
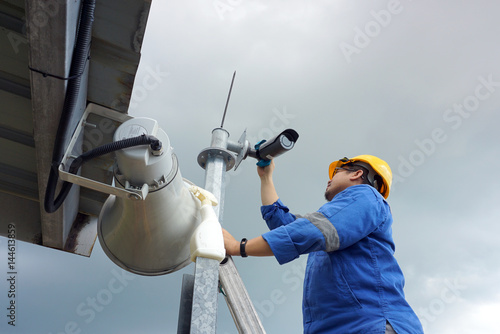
[41, 35]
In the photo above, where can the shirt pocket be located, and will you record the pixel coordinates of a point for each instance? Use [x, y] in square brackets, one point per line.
[326, 289]
[349, 297]
[335, 206]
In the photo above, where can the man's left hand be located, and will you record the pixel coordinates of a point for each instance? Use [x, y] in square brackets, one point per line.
[230, 243]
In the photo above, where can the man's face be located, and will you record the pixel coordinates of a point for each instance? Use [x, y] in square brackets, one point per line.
[340, 181]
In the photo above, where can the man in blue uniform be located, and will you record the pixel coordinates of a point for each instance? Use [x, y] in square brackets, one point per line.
[353, 283]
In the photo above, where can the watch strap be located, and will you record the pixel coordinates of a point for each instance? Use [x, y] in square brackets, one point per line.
[243, 243]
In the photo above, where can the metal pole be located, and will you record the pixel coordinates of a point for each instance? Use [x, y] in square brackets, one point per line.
[205, 292]
[215, 160]
[218, 161]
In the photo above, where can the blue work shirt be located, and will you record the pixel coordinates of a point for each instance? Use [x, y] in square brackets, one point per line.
[353, 283]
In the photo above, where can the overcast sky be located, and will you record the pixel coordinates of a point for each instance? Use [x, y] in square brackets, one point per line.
[416, 83]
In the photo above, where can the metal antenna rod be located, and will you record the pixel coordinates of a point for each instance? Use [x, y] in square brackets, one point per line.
[227, 102]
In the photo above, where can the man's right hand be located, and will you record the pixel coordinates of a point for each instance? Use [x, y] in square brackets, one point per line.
[266, 172]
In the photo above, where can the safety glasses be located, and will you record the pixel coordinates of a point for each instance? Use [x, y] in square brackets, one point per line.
[337, 164]
[337, 169]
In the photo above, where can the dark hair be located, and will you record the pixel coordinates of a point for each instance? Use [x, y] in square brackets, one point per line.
[377, 180]
[355, 168]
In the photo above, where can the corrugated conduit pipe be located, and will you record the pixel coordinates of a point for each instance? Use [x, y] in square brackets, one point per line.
[78, 63]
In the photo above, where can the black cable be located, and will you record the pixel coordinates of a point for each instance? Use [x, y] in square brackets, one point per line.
[154, 143]
[112, 147]
[45, 74]
[80, 55]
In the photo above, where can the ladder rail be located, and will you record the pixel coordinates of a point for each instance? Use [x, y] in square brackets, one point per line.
[238, 301]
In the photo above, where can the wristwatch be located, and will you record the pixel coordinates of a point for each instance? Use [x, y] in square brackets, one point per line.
[243, 243]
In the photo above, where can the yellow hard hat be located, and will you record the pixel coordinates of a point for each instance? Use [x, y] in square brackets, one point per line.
[379, 166]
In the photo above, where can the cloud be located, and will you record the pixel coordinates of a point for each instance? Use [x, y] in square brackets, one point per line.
[387, 101]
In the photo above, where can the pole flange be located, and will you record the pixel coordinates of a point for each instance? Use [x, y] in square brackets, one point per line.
[228, 157]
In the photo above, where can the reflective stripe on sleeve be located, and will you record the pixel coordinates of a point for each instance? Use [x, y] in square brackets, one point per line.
[329, 231]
